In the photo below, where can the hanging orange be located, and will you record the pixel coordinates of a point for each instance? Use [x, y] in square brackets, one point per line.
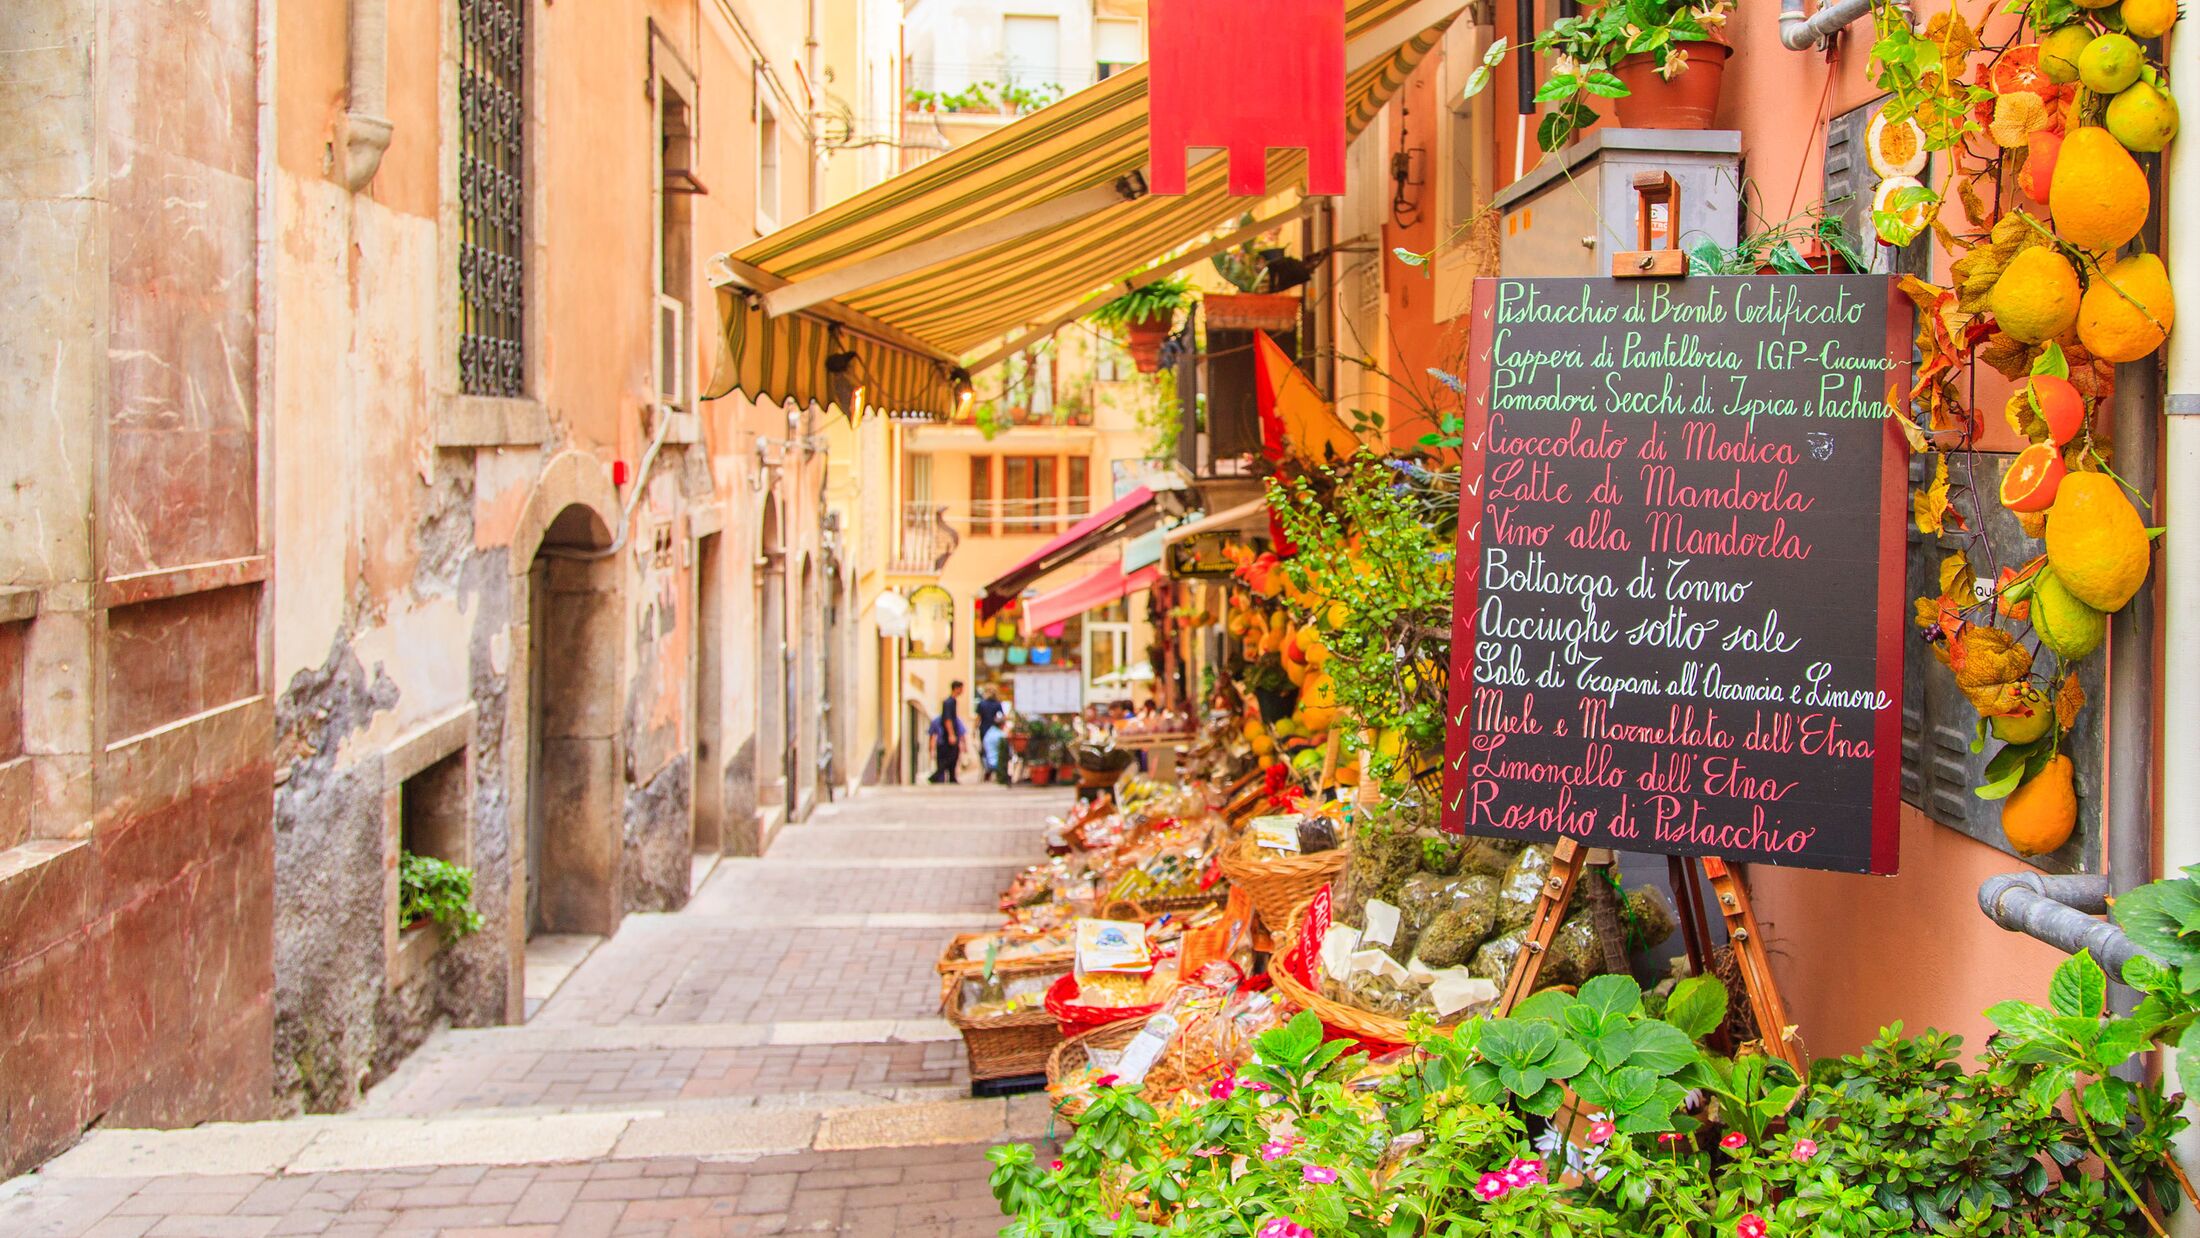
[2032, 481]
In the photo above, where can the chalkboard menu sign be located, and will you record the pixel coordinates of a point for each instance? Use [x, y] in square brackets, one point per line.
[1680, 610]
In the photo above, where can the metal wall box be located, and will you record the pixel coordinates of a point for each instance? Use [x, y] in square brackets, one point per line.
[1577, 208]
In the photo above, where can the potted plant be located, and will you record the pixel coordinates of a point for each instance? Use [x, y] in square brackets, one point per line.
[1813, 243]
[1146, 315]
[438, 891]
[1660, 62]
[1252, 307]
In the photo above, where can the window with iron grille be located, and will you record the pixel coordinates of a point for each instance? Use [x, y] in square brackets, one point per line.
[492, 350]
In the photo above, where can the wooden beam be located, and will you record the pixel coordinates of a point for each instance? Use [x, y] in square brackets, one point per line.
[760, 281]
[1150, 275]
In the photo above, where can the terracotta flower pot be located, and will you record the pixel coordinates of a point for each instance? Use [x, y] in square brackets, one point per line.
[1686, 102]
[1250, 311]
[1041, 775]
[1020, 743]
[1144, 339]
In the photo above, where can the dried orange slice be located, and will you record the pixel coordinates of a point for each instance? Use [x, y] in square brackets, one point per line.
[1911, 219]
[1895, 147]
[2019, 69]
[2032, 481]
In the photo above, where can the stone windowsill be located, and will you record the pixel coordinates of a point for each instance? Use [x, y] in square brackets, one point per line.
[18, 605]
[483, 421]
[417, 947]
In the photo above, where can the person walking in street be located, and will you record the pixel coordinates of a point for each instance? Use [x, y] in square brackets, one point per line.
[988, 711]
[947, 735]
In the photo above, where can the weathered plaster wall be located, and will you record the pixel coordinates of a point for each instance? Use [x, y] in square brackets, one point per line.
[135, 872]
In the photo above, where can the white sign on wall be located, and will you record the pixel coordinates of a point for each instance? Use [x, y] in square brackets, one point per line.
[1049, 692]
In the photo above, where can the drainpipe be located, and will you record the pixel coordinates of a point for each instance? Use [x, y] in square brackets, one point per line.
[2061, 911]
[2177, 561]
[365, 131]
[1800, 33]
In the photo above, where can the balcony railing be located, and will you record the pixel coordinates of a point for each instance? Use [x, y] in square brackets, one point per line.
[927, 539]
[1014, 517]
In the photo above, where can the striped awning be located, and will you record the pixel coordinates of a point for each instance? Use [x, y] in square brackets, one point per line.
[957, 254]
[788, 359]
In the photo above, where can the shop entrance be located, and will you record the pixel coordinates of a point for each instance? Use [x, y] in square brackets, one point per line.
[572, 717]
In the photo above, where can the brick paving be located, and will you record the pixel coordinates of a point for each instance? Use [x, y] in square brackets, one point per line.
[753, 1031]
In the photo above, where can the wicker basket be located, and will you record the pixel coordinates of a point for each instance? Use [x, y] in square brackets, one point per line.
[1068, 1057]
[1376, 1033]
[952, 962]
[1175, 904]
[1005, 1048]
[1279, 884]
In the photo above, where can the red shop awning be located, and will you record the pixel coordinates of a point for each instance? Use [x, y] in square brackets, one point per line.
[1114, 520]
[1107, 585]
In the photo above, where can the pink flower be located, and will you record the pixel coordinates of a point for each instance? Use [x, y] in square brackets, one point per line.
[1056, 1166]
[1805, 1149]
[1750, 1226]
[1524, 1172]
[1223, 1087]
[1670, 1138]
[1601, 1132]
[1275, 1150]
[1284, 1227]
[1105, 1081]
[1319, 1175]
[1206, 1152]
[1492, 1188]
[1253, 1085]
[1733, 1140]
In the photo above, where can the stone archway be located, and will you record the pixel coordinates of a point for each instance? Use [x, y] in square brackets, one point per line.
[564, 712]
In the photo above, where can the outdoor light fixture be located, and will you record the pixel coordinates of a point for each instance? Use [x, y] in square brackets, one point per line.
[965, 392]
[848, 386]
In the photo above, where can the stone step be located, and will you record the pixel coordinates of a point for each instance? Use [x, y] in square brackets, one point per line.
[713, 1133]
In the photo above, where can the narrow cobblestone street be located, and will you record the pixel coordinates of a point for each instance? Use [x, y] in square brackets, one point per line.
[769, 1060]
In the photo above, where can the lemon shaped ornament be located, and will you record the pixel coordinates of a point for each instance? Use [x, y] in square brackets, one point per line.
[2143, 117]
[2099, 196]
[2036, 298]
[2096, 543]
[2128, 310]
[2040, 816]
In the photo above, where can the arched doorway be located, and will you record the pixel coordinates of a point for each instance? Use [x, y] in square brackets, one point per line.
[572, 728]
[772, 733]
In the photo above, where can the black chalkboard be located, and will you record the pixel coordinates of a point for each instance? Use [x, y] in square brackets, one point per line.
[1680, 606]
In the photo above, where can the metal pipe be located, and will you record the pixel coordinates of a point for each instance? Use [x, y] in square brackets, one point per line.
[2177, 563]
[366, 127]
[1800, 33]
[2061, 911]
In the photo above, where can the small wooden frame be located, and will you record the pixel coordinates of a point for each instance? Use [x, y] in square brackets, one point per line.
[1653, 190]
[1569, 858]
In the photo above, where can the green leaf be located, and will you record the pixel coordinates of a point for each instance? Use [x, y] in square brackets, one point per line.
[1521, 1082]
[2051, 362]
[2079, 987]
[1496, 53]
[2107, 1101]
[2022, 1019]
[1410, 258]
[1662, 1048]
[1604, 85]
[1478, 81]
[2006, 771]
[1546, 1101]
[1566, 1060]
[1560, 86]
[1632, 1087]
[1610, 997]
[1549, 1004]
[1697, 1007]
[2188, 1074]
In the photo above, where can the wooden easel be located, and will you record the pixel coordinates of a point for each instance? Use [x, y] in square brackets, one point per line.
[1569, 858]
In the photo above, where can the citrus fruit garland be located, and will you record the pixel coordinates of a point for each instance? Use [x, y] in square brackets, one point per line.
[2040, 200]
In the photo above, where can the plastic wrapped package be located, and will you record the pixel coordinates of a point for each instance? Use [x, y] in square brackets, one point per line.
[1574, 956]
[1451, 940]
[1494, 959]
[992, 997]
[1650, 918]
[1522, 886]
[1384, 855]
[1427, 896]
[1492, 857]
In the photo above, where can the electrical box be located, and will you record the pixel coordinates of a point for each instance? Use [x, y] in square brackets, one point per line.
[1572, 212]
